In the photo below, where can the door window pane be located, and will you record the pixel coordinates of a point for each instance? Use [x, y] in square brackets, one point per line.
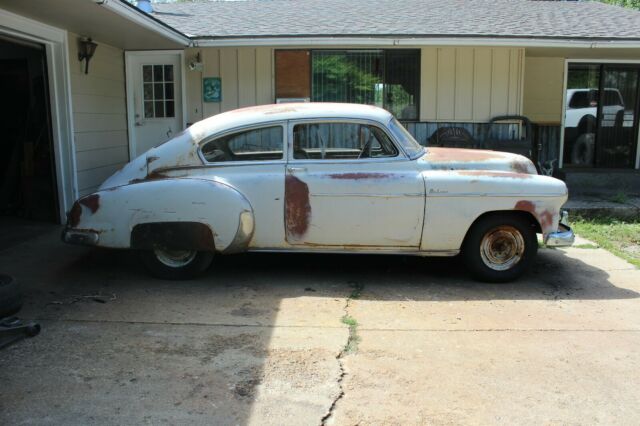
[340, 141]
[158, 88]
[386, 78]
[252, 145]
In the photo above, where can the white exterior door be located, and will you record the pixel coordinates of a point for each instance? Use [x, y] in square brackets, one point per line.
[154, 97]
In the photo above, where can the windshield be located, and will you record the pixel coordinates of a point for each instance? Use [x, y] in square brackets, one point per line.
[409, 144]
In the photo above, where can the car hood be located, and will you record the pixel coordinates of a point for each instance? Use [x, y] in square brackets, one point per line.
[475, 159]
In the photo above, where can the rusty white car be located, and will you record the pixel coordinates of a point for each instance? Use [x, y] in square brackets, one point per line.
[322, 178]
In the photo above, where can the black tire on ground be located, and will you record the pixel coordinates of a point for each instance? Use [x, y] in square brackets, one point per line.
[10, 296]
[176, 264]
[500, 247]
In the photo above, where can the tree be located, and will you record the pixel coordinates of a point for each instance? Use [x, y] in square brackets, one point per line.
[633, 4]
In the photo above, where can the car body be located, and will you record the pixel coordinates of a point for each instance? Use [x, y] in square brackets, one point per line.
[310, 177]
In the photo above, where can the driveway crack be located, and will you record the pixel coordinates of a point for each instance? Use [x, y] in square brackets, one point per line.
[350, 347]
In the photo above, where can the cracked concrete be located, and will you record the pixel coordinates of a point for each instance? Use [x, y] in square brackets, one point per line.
[255, 341]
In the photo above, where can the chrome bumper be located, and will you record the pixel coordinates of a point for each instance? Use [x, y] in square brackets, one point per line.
[564, 236]
[83, 237]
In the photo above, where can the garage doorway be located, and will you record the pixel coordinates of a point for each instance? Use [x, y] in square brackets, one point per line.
[27, 169]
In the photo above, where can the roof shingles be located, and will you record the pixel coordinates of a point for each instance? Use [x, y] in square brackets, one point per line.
[408, 18]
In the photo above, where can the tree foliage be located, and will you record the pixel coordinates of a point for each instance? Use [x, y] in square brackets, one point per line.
[633, 4]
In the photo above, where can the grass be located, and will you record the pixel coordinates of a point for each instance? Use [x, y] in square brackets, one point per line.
[620, 198]
[354, 339]
[621, 237]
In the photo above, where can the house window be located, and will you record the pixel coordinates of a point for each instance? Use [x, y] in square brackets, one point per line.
[158, 91]
[386, 78]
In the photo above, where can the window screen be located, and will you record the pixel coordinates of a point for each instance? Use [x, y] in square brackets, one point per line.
[386, 78]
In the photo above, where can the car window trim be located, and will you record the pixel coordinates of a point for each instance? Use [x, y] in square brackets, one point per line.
[240, 129]
[401, 156]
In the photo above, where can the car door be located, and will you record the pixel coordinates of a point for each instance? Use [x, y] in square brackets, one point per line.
[348, 184]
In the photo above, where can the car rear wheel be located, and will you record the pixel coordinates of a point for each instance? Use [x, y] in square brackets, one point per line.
[500, 248]
[176, 264]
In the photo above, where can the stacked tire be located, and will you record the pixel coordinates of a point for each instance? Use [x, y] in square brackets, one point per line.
[10, 297]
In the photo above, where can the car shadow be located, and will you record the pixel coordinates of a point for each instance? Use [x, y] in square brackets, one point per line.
[120, 347]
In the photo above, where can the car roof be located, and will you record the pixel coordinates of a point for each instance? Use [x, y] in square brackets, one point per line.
[263, 114]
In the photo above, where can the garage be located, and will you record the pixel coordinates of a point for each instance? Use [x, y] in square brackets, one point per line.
[27, 179]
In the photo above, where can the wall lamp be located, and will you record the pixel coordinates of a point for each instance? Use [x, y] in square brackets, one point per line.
[86, 51]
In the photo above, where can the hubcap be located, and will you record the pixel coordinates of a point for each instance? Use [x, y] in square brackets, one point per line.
[175, 258]
[502, 248]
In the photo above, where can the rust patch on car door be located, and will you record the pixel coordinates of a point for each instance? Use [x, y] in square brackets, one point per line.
[297, 207]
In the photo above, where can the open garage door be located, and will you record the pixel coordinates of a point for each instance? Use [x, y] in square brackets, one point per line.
[27, 169]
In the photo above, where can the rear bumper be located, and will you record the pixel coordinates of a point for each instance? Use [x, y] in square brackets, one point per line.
[83, 237]
[564, 236]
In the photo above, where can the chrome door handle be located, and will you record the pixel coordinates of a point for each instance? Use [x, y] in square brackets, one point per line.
[297, 169]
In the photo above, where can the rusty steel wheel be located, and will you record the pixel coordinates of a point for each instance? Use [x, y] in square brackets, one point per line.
[176, 264]
[500, 247]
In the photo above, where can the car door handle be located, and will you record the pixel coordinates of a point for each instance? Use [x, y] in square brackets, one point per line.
[297, 169]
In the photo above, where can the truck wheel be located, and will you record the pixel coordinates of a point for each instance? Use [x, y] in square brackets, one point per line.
[499, 248]
[584, 149]
[10, 297]
[176, 264]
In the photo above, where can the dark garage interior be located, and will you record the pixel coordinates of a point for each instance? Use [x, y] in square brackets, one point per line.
[27, 172]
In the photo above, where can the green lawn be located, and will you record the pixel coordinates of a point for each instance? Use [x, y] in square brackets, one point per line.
[622, 238]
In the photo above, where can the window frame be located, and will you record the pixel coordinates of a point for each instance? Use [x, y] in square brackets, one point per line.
[153, 100]
[241, 129]
[401, 156]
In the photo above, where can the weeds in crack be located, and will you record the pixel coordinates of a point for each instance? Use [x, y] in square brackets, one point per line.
[350, 347]
[352, 342]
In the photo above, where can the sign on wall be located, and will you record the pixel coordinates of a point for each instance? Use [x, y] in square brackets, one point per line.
[212, 89]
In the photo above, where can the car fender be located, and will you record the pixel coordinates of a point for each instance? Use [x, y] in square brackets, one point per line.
[457, 198]
[113, 213]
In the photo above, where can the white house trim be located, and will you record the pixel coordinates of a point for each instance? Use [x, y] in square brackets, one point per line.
[135, 15]
[564, 100]
[130, 87]
[56, 48]
[415, 41]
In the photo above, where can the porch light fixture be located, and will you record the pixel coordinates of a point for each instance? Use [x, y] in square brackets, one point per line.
[85, 52]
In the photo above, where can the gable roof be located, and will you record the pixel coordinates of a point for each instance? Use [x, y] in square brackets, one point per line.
[578, 20]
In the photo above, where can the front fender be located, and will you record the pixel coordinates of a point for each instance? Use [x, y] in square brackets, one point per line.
[456, 198]
[113, 213]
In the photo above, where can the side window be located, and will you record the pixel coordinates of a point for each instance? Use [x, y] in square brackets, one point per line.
[250, 145]
[340, 141]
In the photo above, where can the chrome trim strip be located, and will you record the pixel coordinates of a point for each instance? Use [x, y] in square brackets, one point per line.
[410, 251]
[486, 194]
[327, 194]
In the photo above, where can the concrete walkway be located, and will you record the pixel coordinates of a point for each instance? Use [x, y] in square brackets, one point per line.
[603, 206]
[259, 340]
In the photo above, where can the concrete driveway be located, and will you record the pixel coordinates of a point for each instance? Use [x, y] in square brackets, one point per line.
[259, 340]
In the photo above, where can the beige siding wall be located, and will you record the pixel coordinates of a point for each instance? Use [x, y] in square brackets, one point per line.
[543, 84]
[470, 84]
[457, 84]
[99, 114]
[247, 79]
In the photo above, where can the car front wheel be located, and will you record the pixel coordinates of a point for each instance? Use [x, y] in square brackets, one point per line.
[176, 264]
[500, 248]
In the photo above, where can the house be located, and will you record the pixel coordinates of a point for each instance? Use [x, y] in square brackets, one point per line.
[70, 122]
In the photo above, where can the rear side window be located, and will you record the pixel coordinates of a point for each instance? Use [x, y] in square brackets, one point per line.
[340, 141]
[265, 143]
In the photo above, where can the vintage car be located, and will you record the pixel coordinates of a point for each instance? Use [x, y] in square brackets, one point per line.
[322, 178]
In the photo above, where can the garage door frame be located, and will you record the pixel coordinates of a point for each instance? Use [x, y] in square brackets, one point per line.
[57, 56]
